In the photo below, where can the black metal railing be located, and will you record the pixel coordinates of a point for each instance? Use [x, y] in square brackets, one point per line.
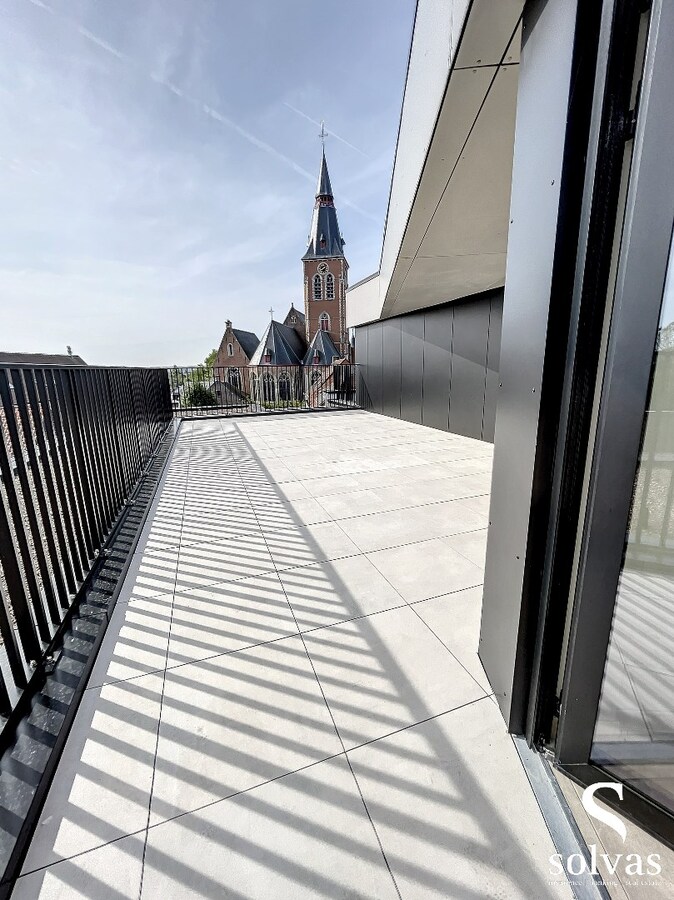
[230, 390]
[73, 444]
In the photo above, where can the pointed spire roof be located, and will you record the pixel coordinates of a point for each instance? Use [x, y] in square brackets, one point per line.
[325, 238]
[321, 351]
[282, 344]
[324, 188]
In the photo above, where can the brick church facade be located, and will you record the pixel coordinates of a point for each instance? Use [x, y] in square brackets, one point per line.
[290, 358]
[326, 269]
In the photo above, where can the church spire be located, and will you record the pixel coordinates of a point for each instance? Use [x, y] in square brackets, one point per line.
[325, 239]
[324, 188]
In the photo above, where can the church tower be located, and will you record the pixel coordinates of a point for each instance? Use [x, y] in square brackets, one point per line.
[325, 269]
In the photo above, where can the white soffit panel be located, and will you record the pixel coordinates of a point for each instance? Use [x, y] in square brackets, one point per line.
[455, 239]
[437, 28]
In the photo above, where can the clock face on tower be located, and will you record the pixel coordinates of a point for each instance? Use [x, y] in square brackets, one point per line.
[323, 267]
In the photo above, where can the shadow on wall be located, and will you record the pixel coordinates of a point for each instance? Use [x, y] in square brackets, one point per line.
[437, 367]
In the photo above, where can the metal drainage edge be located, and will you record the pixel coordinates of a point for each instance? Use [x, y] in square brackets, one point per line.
[564, 831]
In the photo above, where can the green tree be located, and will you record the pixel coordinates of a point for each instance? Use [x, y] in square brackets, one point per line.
[210, 359]
[198, 395]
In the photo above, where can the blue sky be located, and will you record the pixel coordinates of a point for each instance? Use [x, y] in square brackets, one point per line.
[158, 171]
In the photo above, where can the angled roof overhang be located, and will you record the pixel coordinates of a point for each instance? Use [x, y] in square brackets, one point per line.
[447, 222]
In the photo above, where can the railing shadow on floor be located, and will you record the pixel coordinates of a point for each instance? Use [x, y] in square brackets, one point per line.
[391, 751]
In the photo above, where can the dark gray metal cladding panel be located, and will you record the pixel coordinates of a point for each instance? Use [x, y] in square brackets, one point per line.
[493, 361]
[437, 367]
[374, 365]
[542, 106]
[391, 369]
[360, 356]
[469, 360]
[411, 400]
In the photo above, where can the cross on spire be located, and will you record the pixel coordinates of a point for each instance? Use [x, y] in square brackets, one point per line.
[322, 134]
[271, 312]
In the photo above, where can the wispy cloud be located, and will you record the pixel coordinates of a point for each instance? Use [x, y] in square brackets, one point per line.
[328, 133]
[155, 184]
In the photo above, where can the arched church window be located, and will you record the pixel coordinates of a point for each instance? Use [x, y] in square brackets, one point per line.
[268, 388]
[284, 391]
[324, 322]
[330, 286]
[235, 378]
[318, 287]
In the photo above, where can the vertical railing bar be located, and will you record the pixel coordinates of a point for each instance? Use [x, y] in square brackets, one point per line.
[5, 702]
[110, 448]
[74, 419]
[29, 509]
[129, 430]
[94, 441]
[120, 432]
[75, 547]
[30, 645]
[43, 483]
[75, 485]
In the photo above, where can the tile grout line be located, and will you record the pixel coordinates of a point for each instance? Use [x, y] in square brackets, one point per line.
[258, 786]
[437, 636]
[334, 725]
[440, 537]
[284, 637]
[163, 687]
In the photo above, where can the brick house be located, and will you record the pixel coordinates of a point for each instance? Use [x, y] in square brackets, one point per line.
[233, 357]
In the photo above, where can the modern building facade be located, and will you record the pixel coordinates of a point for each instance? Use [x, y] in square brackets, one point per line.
[524, 296]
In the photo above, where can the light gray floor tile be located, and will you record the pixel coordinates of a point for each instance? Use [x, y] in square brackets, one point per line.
[224, 617]
[220, 561]
[235, 721]
[386, 672]
[150, 573]
[455, 618]
[279, 516]
[391, 529]
[426, 569]
[333, 591]
[303, 545]
[471, 544]
[135, 641]
[303, 836]
[454, 810]
[332, 484]
[112, 872]
[102, 790]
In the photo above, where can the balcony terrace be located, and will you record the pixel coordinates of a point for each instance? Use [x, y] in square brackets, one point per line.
[288, 701]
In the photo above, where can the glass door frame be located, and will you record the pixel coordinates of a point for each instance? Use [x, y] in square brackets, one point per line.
[640, 281]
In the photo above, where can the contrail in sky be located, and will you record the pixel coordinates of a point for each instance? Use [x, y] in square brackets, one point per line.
[329, 133]
[205, 108]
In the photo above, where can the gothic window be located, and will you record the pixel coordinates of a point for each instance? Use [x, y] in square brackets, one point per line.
[268, 388]
[284, 387]
[330, 286]
[293, 320]
[318, 287]
[230, 349]
[324, 322]
[235, 378]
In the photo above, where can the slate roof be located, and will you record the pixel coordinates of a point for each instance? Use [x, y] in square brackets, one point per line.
[40, 359]
[327, 352]
[247, 340]
[325, 238]
[286, 346]
[297, 312]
